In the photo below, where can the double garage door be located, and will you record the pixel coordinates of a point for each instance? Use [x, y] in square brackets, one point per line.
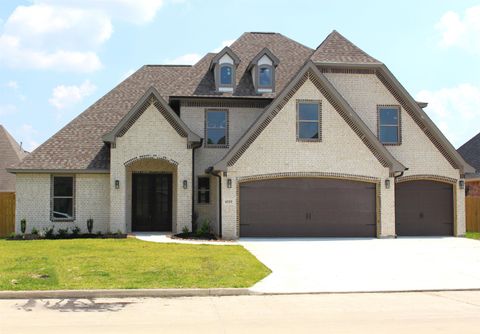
[316, 207]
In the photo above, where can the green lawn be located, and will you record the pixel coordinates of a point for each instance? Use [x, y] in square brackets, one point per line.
[473, 235]
[124, 264]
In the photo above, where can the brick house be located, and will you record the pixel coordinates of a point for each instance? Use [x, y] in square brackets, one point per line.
[470, 151]
[11, 153]
[267, 137]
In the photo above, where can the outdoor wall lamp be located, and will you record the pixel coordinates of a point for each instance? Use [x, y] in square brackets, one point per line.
[387, 183]
[229, 183]
[117, 184]
[461, 183]
[185, 184]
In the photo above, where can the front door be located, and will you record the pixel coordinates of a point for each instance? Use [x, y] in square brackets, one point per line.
[151, 202]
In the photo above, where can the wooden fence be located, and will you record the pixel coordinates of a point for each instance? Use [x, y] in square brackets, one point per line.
[472, 205]
[7, 214]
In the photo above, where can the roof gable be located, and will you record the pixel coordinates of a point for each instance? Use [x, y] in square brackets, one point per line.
[151, 96]
[229, 52]
[264, 52]
[337, 49]
[310, 71]
[11, 154]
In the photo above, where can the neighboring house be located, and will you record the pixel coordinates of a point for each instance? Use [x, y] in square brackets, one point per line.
[267, 137]
[470, 151]
[11, 153]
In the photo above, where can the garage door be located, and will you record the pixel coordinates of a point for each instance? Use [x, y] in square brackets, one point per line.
[423, 208]
[307, 207]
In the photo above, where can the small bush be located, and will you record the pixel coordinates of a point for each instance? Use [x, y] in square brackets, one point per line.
[75, 231]
[90, 225]
[11, 235]
[23, 225]
[62, 233]
[185, 229]
[49, 232]
[34, 231]
[204, 228]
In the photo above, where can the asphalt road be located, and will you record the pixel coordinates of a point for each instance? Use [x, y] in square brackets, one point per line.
[432, 312]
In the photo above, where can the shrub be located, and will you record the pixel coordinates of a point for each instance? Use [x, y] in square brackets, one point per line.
[62, 233]
[48, 232]
[23, 225]
[75, 231]
[90, 225]
[11, 235]
[185, 230]
[34, 231]
[204, 228]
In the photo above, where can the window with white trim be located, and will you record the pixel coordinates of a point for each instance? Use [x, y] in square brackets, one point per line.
[389, 125]
[308, 121]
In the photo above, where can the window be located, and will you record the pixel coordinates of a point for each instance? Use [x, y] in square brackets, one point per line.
[308, 121]
[204, 190]
[389, 124]
[216, 128]
[62, 198]
[265, 76]
[226, 75]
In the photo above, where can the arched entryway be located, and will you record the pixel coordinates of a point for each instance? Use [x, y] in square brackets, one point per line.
[151, 195]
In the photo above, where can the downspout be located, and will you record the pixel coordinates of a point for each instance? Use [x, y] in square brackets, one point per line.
[194, 147]
[217, 174]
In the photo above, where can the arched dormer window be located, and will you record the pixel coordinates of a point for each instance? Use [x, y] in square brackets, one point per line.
[226, 75]
[265, 76]
[262, 68]
[224, 65]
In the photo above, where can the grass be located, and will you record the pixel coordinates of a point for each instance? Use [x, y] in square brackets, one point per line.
[473, 235]
[124, 264]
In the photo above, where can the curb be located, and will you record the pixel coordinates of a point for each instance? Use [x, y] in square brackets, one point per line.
[124, 293]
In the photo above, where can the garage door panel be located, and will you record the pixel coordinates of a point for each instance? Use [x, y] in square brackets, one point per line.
[307, 207]
[424, 208]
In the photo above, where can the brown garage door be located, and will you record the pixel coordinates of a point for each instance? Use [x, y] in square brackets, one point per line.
[423, 208]
[307, 207]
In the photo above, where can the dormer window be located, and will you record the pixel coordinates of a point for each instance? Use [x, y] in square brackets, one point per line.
[226, 75]
[262, 68]
[265, 76]
[224, 65]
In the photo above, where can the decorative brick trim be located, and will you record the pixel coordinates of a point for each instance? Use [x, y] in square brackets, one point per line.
[321, 175]
[152, 101]
[150, 156]
[348, 70]
[417, 119]
[379, 106]
[225, 104]
[74, 199]
[319, 102]
[227, 126]
[430, 177]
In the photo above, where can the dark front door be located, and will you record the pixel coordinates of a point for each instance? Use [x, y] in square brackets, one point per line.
[423, 208]
[152, 202]
[307, 207]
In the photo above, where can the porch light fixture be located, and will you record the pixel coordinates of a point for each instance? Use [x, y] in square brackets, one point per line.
[185, 184]
[229, 183]
[461, 183]
[117, 184]
[387, 184]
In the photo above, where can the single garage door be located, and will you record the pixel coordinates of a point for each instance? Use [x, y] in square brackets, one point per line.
[423, 208]
[307, 207]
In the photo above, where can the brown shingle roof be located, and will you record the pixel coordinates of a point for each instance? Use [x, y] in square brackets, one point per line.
[10, 154]
[337, 49]
[470, 151]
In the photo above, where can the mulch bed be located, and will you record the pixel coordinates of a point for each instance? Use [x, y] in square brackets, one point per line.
[79, 236]
[194, 236]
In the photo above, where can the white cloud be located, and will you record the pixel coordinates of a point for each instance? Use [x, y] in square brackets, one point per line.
[462, 32]
[455, 110]
[192, 58]
[66, 96]
[8, 109]
[12, 84]
[65, 35]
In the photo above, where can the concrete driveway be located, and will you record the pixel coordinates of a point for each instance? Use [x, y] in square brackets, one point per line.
[353, 265]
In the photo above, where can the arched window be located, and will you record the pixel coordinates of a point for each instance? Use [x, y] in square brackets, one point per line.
[265, 76]
[226, 75]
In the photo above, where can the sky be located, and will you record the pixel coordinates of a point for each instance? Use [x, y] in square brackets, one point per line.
[57, 57]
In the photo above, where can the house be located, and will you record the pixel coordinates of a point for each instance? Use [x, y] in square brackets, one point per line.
[470, 151]
[267, 137]
[11, 153]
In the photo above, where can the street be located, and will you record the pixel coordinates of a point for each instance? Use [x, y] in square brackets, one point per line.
[425, 312]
